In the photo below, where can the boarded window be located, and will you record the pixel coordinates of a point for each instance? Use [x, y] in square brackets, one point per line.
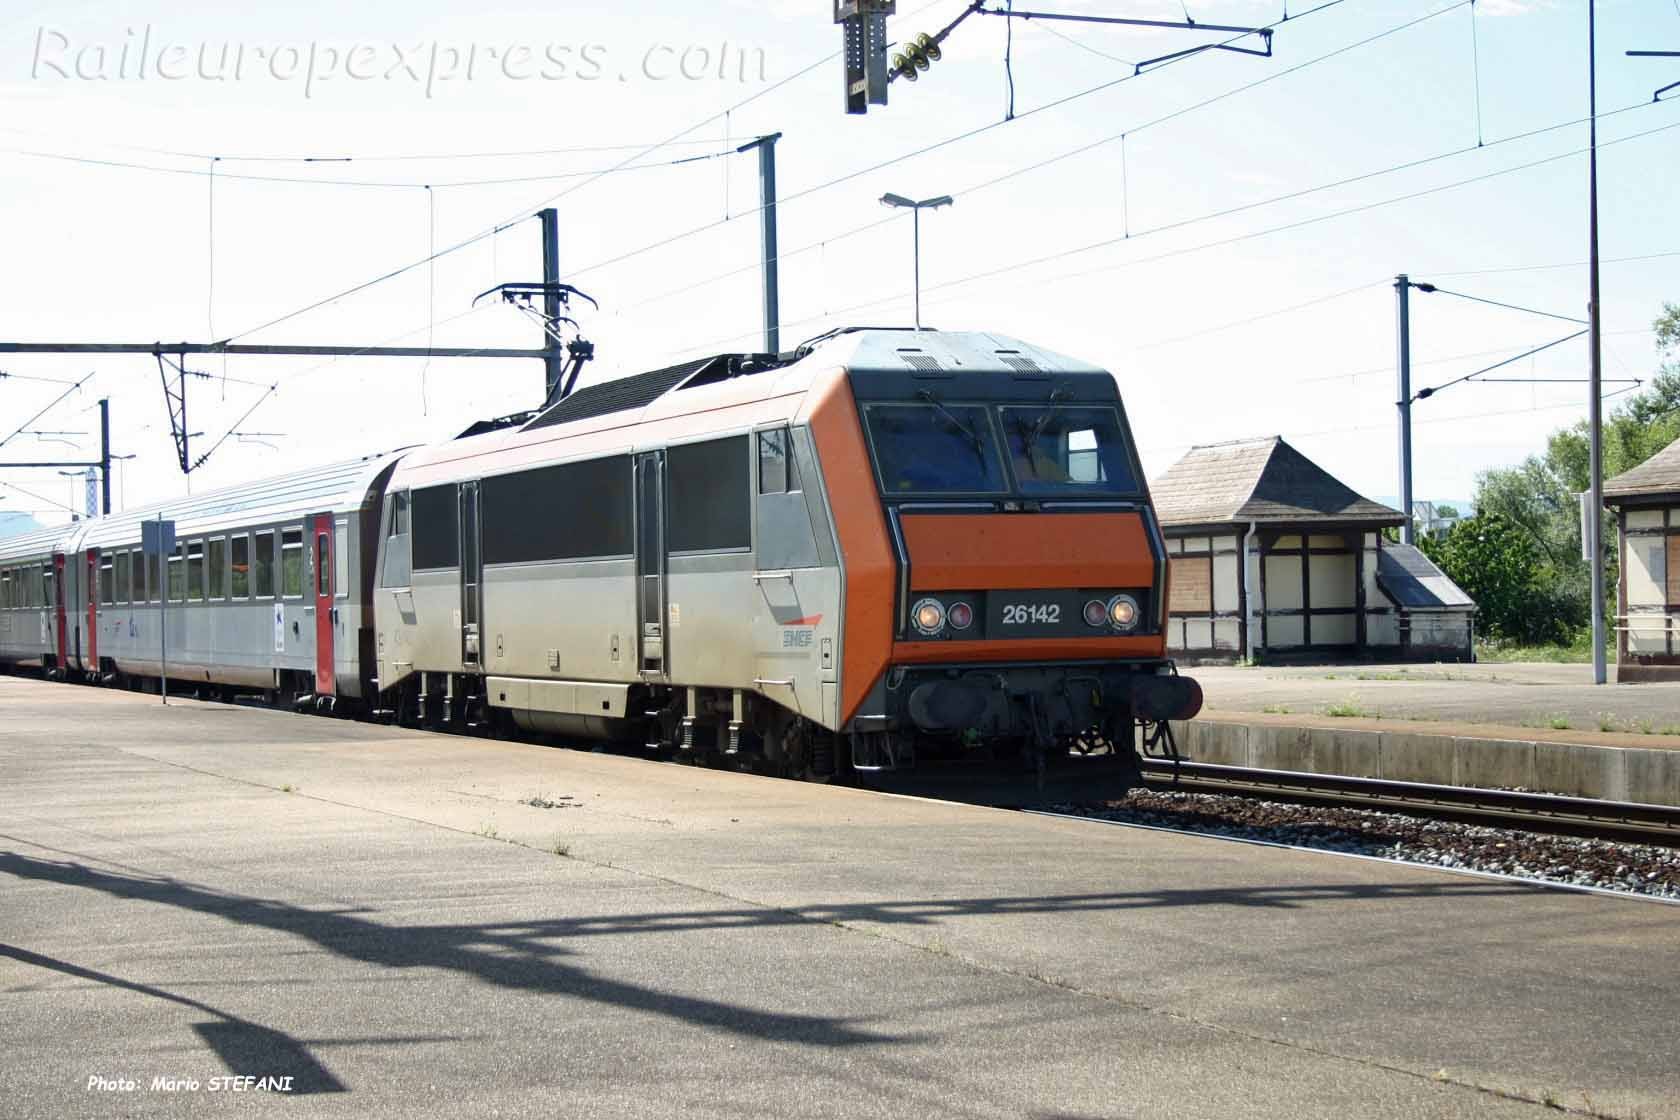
[1192, 584]
[437, 532]
[573, 511]
[262, 565]
[1674, 570]
[709, 495]
[239, 567]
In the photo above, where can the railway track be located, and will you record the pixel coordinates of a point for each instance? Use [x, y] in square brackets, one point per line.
[1578, 816]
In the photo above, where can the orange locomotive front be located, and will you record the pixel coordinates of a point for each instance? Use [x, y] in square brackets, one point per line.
[1005, 577]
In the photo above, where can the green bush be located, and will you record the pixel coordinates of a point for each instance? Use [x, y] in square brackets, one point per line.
[1519, 600]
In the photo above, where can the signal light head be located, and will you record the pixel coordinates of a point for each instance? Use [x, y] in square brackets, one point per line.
[1123, 612]
[960, 616]
[928, 616]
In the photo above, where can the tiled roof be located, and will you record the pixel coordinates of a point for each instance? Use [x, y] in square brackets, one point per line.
[1262, 480]
[1660, 474]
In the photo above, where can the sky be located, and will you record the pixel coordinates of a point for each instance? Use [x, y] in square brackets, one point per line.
[1222, 232]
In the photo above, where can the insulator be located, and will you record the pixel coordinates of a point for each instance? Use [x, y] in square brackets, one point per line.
[929, 47]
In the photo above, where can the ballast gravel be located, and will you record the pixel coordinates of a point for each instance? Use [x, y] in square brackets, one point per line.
[1644, 869]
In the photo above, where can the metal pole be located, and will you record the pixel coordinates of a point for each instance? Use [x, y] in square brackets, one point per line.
[916, 259]
[554, 359]
[105, 455]
[767, 215]
[1403, 290]
[163, 613]
[1595, 404]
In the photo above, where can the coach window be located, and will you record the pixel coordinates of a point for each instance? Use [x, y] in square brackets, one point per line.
[178, 573]
[107, 584]
[120, 577]
[6, 589]
[291, 563]
[195, 570]
[239, 570]
[710, 496]
[341, 559]
[216, 573]
[262, 565]
[137, 578]
[323, 574]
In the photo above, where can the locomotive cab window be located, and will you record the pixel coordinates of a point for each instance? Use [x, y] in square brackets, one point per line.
[934, 449]
[777, 473]
[398, 552]
[1068, 451]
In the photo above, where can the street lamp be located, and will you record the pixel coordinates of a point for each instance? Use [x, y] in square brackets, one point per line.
[916, 209]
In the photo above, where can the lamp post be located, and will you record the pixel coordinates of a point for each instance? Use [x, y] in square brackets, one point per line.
[916, 209]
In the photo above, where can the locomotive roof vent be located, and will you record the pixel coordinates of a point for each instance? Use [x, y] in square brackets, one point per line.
[1019, 362]
[919, 361]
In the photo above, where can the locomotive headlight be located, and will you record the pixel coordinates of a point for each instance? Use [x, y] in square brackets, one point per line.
[1123, 612]
[961, 616]
[928, 615]
[1096, 613]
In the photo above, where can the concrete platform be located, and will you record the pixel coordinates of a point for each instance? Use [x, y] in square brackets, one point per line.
[383, 916]
[1539, 727]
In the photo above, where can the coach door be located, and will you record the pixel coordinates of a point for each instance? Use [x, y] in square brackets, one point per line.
[55, 604]
[472, 576]
[91, 583]
[650, 563]
[326, 683]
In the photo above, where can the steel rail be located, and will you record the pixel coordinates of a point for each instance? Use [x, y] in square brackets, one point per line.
[1546, 811]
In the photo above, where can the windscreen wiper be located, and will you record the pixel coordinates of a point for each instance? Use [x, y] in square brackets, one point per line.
[951, 419]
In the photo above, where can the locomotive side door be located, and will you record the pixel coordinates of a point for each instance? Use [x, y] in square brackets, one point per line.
[650, 565]
[472, 577]
[326, 681]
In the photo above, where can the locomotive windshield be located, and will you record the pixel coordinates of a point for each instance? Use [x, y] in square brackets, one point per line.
[1067, 451]
[935, 448]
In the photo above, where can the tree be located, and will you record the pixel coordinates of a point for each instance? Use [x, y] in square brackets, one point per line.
[1494, 561]
[1539, 496]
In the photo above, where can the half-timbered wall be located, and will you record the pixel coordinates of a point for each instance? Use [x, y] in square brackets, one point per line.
[1205, 604]
[1649, 626]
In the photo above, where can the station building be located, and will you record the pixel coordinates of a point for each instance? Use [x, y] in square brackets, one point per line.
[1275, 558]
[1647, 504]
